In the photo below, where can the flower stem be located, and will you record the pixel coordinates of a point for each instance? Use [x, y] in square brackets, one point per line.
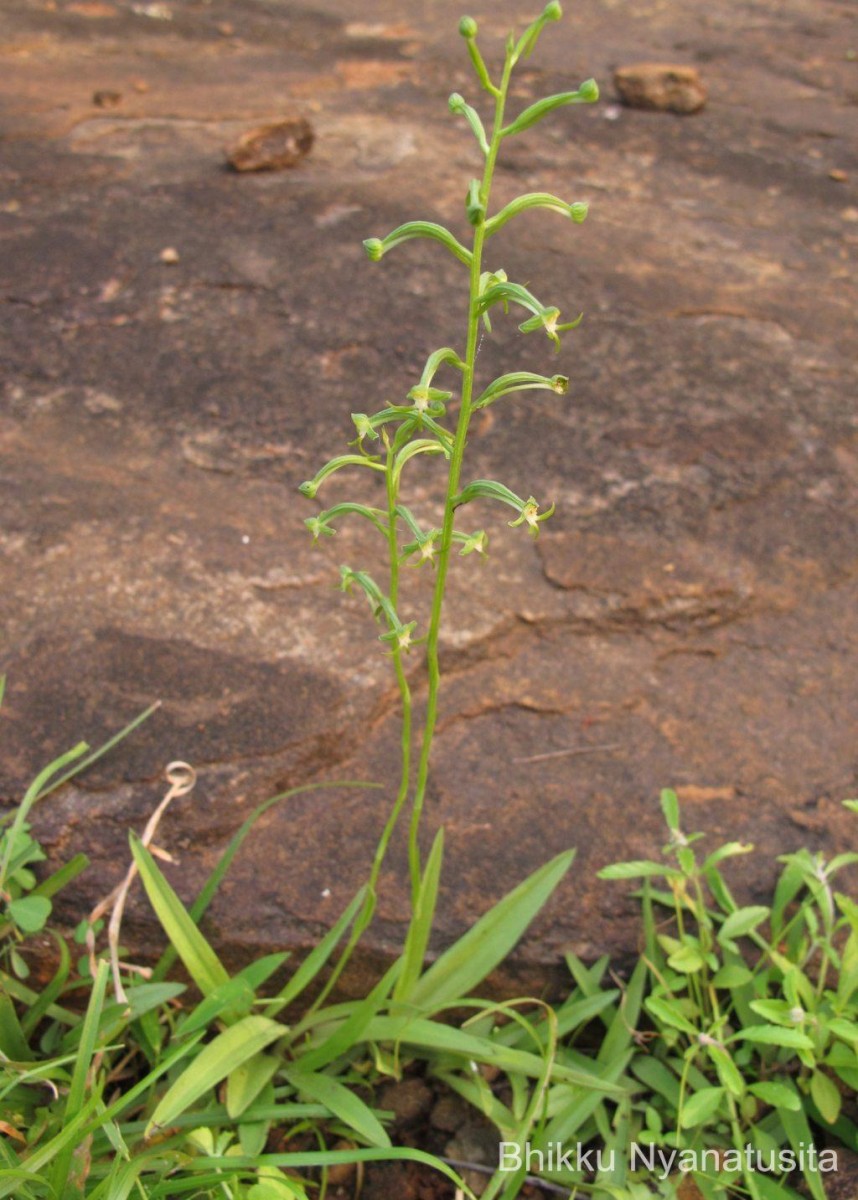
[453, 475]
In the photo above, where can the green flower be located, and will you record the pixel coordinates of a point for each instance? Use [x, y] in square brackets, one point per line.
[400, 636]
[531, 516]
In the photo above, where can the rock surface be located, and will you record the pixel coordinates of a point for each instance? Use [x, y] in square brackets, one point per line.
[687, 618]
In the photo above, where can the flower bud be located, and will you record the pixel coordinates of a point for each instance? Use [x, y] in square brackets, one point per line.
[457, 103]
[468, 27]
[589, 91]
[578, 211]
[308, 489]
[374, 248]
[552, 11]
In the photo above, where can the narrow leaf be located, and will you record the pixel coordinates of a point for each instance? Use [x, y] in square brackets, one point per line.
[342, 1103]
[199, 958]
[470, 960]
[215, 1061]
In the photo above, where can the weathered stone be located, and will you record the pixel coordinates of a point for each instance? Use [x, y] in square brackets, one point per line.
[106, 98]
[272, 147]
[662, 87]
[688, 617]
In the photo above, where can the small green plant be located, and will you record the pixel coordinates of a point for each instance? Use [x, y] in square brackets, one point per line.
[755, 1015]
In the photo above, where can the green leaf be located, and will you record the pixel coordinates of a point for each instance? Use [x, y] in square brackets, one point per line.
[700, 1107]
[800, 1136]
[729, 850]
[30, 912]
[348, 1033]
[215, 1061]
[728, 1072]
[740, 923]
[825, 1096]
[776, 1035]
[469, 961]
[342, 1103]
[845, 1029]
[246, 1081]
[732, 975]
[778, 1012]
[666, 1013]
[319, 955]
[776, 1095]
[638, 869]
[670, 808]
[420, 926]
[688, 959]
[202, 964]
[77, 1095]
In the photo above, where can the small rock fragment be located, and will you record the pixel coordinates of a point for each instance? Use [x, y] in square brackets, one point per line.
[660, 87]
[272, 147]
[155, 12]
[837, 175]
[105, 98]
[225, 28]
[169, 255]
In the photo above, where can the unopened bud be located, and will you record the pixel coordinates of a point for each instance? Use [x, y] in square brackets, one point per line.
[578, 211]
[457, 103]
[468, 27]
[589, 91]
[552, 11]
[374, 249]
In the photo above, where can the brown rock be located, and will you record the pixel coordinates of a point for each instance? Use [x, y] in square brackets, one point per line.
[662, 87]
[272, 147]
[105, 98]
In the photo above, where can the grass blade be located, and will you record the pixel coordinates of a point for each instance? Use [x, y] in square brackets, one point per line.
[214, 1062]
[203, 965]
[487, 943]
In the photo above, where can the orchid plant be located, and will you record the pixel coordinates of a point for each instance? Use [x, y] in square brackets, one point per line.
[421, 423]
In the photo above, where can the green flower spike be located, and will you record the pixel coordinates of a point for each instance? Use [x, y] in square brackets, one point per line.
[531, 516]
